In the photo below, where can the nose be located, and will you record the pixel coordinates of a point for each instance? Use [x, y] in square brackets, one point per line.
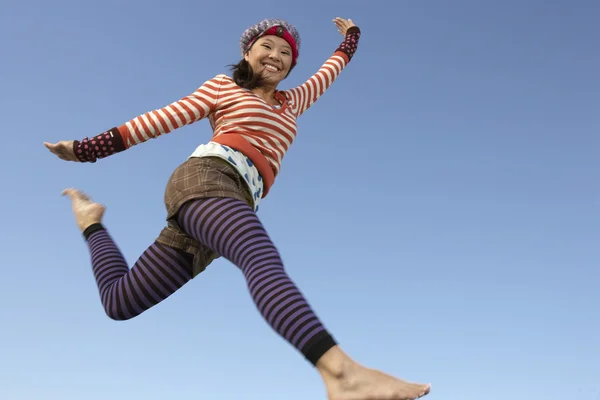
[274, 55]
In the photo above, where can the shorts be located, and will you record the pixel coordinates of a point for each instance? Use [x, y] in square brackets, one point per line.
[197, 178]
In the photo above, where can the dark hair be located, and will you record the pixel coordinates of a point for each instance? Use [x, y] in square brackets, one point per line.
[244, 76]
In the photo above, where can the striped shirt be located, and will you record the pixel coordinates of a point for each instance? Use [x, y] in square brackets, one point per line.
[239, 118]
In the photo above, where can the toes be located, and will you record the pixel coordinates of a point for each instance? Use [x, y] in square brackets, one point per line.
[425, 390]
[75, 194]
[70, 192]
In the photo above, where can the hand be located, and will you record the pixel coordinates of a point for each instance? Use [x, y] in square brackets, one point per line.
[63, 150]
[343, 25]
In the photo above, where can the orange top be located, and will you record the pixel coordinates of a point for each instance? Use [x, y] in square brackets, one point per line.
[239, 118]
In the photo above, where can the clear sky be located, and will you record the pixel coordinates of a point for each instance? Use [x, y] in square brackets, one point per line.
[453, 240]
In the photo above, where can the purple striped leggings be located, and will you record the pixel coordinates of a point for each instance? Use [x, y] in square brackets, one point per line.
[233, 230]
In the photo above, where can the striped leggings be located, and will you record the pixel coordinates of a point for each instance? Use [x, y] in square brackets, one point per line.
[233, 230]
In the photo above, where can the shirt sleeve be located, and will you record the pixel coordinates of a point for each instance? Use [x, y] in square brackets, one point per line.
[185, 111]
[192, 108]
[305, 95]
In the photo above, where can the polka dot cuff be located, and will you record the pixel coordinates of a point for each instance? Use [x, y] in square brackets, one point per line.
[100, 146]
[350, 43]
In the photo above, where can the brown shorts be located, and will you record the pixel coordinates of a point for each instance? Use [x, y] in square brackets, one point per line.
[199, 177]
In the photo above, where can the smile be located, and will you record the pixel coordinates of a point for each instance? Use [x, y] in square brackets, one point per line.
[271, 67]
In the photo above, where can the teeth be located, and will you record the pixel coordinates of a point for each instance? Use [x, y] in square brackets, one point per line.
[270, 67]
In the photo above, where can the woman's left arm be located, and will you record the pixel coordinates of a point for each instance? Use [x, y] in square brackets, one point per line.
[306, 94]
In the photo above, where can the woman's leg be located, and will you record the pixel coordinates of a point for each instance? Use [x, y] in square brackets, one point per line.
[125, 293]
[230, 228]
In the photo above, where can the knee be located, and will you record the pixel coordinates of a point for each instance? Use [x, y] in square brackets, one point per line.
[115, 315]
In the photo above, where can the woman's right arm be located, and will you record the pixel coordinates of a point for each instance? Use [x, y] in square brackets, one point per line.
[142, 128]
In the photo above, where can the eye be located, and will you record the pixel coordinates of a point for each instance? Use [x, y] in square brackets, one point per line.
[266, 46]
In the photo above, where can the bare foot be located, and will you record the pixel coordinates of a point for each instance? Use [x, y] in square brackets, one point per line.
[368, 384]
[86, 212]
[347, 380]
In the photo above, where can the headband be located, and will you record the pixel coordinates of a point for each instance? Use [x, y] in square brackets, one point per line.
[277, 27]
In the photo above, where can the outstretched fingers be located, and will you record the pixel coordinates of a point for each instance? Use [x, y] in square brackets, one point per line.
[62, 149]
[343, 24]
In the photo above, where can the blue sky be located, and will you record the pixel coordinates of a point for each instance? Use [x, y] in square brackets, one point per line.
[453, 240]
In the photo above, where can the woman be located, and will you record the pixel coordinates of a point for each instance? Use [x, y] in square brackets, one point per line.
[212, 199]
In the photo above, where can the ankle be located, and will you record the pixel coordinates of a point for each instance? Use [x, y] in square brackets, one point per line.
[335, 364]
[91, 228]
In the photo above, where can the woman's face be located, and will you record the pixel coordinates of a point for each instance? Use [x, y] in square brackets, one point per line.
[270, 56]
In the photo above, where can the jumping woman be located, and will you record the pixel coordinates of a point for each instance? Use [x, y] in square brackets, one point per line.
[212, 199]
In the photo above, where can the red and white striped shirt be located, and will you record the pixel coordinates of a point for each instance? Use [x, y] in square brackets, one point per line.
[239, 118]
